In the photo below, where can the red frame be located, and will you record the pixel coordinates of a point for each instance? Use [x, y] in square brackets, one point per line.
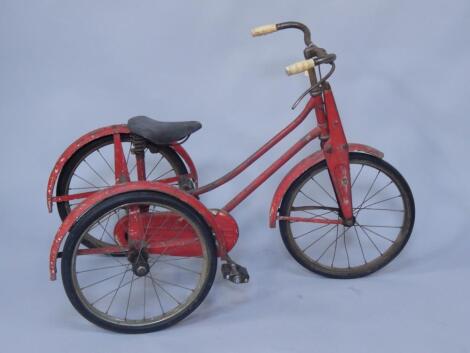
[334, 149]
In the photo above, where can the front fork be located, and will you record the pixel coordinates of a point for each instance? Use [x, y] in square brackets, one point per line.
[336, 151]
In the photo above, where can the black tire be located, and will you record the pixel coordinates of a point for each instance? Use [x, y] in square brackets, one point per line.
[65, 177]
[368, 267]
[77, 233]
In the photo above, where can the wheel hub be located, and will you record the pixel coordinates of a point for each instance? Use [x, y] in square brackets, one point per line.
[139, 260]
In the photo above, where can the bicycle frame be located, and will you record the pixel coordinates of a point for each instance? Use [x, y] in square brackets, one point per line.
[334, 146]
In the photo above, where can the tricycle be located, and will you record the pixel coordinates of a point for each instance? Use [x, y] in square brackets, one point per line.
[139, 249]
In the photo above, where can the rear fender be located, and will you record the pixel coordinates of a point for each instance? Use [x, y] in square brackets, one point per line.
[94, 135]
[99, 196]
[303, 166]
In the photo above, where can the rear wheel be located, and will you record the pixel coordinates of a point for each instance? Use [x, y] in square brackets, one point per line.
[91, 169]
[150, 287]
[383, 207]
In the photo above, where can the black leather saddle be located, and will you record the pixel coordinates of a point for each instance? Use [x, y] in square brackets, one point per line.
[160, 132]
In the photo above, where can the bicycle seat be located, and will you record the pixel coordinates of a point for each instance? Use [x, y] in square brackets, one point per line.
[160, 132]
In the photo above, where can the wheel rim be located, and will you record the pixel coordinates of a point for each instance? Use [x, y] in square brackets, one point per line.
[95, 172]
[108, 287]
[381, 210]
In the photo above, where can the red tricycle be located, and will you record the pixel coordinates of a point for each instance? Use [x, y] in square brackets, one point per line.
[141, 249]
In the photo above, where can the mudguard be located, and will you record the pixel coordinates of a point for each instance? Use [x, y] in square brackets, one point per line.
[301, 167]
[94, 135]
[89, 202]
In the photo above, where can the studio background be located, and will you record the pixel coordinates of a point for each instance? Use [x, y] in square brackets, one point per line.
[401, 84]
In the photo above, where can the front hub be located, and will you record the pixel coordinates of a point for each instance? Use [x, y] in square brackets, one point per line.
[139, 260]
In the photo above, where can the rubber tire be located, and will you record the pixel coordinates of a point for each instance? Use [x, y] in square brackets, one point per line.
[69, 168]
[400, 182]
[102, 208]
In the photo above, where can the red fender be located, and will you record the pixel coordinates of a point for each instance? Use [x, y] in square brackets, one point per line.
[89, 202]
[301, 167]
[94, 135]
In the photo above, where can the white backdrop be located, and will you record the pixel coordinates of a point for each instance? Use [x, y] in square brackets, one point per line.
[67, 67]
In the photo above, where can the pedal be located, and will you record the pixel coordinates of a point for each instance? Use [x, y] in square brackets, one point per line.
[235, 273]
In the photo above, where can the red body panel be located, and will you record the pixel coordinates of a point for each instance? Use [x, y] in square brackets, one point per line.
[97, 197]
[301, 167]
[96, 134]
[160, 233]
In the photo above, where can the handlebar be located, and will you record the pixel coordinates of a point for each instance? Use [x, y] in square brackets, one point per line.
[314, 56]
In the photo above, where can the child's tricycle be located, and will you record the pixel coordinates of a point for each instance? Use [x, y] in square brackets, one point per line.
[141, 249]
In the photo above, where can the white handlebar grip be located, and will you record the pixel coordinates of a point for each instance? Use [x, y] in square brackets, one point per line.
[262, 30]
[300, 66]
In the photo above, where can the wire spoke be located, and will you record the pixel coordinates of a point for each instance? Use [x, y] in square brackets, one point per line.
[368, 237]
[164, 290]
[102, 280]
[181, 267]
[378, 234]
[105, 160]
[375, 203]
[310, 231]
[156, 293]
[94, 171]
[101, 268]
[331, 244]
[321, 187]
[156, 165]
[357, 176]
[89, 183]
[321, 237]
[162, 175]
[360, 245]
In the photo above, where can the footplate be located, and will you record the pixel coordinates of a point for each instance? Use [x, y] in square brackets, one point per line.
[235, 273]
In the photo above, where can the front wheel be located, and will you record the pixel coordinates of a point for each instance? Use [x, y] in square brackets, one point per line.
[384, 212]
[149, 287]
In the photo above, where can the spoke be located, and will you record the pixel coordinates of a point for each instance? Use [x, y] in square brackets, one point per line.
[128, 153]
[101, 268]
[129, 296]
[94, 171]
[310, 198]
[318, 215]
[120, 285]
[331, 244]
[346, 249]
[336, 245]
[182, 258]
[102, 280]
[360, 245]
[104, 159]
[375, 203]
[374, 226]
[368, 191]
[182, 267]
[156, 165]
[378, 234]
[310, 231]
[321, 187]
[105, 226]
[368, 237]
[145, 290]
[156, 293]
[379, 191]
[322, 236]
[88, 187]
[166, 248]
[379, 209]
[357, 176]
[164, 290]
[89, 183]
[162, 175]
[173, 284]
